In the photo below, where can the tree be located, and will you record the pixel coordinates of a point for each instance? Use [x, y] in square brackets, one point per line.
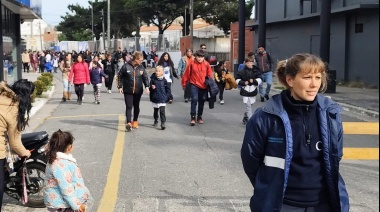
[74, 25]
[160, 13]
[218, 12]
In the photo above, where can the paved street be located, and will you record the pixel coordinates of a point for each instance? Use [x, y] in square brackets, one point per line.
[182, 168]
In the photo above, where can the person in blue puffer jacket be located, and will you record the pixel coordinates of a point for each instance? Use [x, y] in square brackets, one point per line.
[293, 144]
[159, 95]
[96, 74]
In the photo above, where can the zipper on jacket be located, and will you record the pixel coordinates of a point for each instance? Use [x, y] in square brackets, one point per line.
[134, 79]
[307, 134]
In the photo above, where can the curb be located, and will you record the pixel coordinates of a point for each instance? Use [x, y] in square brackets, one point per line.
[350, 108]
[40, 102]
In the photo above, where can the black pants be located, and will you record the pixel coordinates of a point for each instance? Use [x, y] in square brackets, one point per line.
[162, 114]
[221, 87]
[42, 68]
[26, 67]
[187, 91]
[79, 90]
[132, 100]
[109, 80]
[2, 163]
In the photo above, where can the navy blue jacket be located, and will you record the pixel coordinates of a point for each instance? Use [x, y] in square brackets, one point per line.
[96, 74]
[162, 92]
[267, 152]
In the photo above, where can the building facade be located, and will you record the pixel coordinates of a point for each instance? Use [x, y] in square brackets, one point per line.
[294, 27]
[13, 13]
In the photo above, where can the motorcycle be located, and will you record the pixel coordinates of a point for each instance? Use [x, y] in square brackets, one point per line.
[26, 180]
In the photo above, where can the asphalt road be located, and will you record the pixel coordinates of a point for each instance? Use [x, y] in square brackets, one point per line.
[182, 168]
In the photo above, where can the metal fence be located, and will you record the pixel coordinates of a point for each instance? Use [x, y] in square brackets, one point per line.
[170, 42]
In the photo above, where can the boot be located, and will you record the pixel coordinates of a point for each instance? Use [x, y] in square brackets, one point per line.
[68, 95]
[64, 96]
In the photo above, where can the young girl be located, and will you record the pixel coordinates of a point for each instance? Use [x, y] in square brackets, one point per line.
[96, 73]
[64, 185]
[220, 73]
[159, 95]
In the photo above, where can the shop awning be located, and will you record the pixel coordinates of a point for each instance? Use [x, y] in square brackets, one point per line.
[26, 13]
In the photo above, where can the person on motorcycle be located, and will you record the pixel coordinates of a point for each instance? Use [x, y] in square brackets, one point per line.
[15, 105]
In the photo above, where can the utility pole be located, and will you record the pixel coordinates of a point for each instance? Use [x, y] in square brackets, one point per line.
[92, 19]
[104, 39]
[241, 31]
[108, 24]
[191, 23]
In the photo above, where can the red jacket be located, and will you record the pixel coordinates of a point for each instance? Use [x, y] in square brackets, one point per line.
[196, 73]
[79, 74]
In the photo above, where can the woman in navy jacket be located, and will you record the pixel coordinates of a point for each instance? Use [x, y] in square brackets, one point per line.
[294, 143]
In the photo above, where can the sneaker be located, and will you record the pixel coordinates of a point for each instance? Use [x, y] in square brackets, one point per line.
[163, 126]
[135, 124]
[221, 102]
[192, 122]
[155, 123]
[200, 120]
[109, 91]
[98, 102]
[266, 97]
[262, 99]
[128, 127]
[186, 100]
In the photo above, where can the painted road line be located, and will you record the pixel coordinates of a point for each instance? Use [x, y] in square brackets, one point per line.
[361, 153]
[361, 128]
[108, 201]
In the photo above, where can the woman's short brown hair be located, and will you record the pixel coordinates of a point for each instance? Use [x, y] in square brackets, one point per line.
[304, 62]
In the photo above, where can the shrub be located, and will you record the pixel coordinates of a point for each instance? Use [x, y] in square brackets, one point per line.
[39, 87]
[46, 80]
[50, 75]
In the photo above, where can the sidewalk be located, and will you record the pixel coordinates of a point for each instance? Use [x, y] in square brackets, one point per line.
[357, 100]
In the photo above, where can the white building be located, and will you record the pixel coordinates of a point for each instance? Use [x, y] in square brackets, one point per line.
[32, 33]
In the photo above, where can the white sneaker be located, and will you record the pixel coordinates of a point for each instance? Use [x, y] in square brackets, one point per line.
[221, 102]
[109, 91]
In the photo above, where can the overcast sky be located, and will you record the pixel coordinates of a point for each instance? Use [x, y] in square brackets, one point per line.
[52, 10]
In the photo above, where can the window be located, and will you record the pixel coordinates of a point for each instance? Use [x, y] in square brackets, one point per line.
[359, 28]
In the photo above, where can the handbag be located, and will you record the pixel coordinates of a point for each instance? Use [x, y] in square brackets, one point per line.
[10, 156]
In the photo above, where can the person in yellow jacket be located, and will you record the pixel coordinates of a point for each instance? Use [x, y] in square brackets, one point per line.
[15, 105]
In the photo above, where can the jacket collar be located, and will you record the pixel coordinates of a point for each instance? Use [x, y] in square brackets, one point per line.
[65, 156]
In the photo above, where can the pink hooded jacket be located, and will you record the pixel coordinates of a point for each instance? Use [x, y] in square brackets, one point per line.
[79, 74]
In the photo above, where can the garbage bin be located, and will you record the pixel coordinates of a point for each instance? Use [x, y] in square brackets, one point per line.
[331, 81]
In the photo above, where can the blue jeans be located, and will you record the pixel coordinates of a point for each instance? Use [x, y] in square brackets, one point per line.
[267, 77]
[198, 96]
[66, 85]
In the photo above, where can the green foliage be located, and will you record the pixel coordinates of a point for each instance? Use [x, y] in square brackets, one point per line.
[46, 80]
[50, 75]
[39, 87]
[222, 12]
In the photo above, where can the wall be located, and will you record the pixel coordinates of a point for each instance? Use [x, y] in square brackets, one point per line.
[234, 42]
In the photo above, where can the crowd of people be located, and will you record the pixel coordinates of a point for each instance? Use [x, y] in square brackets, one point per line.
[303, 165]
